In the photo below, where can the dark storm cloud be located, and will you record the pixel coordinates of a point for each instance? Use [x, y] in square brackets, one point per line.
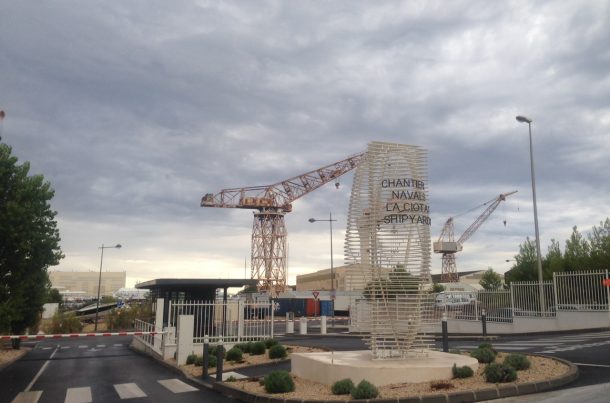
[134, 111]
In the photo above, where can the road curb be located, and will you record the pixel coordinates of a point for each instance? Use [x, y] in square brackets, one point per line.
[494, 392]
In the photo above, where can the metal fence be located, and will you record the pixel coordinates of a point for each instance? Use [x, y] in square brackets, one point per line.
[231, 321]
[571, 291]
[153, 341]
[581, 291]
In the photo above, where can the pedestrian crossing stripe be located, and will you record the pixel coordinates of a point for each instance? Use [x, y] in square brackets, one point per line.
[129, 391]
[124, 391]
[177, 386]
[78, 395]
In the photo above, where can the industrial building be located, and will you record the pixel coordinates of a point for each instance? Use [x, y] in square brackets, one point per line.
[86, 282]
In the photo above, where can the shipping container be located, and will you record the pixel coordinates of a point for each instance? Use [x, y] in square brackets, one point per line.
[326, 308]
[312, 307]
[290, 305]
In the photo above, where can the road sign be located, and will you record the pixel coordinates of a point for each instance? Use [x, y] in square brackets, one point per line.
[315, 294]
[606, 282]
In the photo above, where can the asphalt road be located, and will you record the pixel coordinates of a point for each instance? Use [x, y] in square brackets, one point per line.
[102, 369]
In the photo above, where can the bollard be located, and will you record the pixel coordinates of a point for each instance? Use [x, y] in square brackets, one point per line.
[322, 324]
[289, 322]
[206, 357]
[303, 326]
[219, 360]
[484, 322]
[445, 333]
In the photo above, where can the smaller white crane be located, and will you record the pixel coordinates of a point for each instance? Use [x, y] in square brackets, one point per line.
[447, 245]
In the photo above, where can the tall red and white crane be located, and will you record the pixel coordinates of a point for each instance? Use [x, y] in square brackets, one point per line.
[272, 202]
[447, 245]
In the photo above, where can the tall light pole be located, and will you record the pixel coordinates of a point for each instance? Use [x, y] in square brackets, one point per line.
[527, 120]
[99, 281]
[332, 269]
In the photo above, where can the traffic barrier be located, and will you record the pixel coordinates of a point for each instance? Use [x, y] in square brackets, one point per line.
[71, 335]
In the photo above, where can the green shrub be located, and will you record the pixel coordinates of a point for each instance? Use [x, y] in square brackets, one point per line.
[483, 355]
[235, 354]
[198, 361]
[191, 359]
[517, 361]
[244, 347]
[462, 372]
[342, 387]
[212, 350]
[211, 361]
[270, 343]
[488, 346]
[277, 351]
[500, 373]
[365, 390]
[279, 382]
[258, 348]
[231, 379]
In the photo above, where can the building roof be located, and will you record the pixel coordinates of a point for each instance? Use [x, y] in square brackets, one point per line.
[195, 283]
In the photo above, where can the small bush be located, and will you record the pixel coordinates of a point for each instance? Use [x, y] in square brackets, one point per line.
[231, 379]
[279, 382]
[483, 355]
[191, 359]
[364, 390]
[235, 354]
[244, 347]
[270, 343]
[277, 351]
[441, 385]
[343, 387]
[212, 350]
[517, 361]
[488, 346]
[198, 361]
[258, 348]
[462, 372]
[211, 361]
[500, 373]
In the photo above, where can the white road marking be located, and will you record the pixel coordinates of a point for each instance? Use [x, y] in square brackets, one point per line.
[46, 348]
[100, 346]
[44, 366]
[177, 386]
[78, 395]
[591, 365]
[28, 397]
[83, 346]
[129, 391]
[65, 347]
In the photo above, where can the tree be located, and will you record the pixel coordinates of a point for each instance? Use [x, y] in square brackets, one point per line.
[554, 261]
[437, 288]
[525, 268]
[599, 240]
[29, 243]
[577, 252]
[491, 280]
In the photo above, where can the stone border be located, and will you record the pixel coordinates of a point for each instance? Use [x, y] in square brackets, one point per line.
[495, 392]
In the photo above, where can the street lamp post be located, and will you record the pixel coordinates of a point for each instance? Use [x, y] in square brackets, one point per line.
[332, 269]
[99, 280]
[527, 120]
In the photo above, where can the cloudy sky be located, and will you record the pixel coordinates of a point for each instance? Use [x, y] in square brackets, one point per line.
[134, 110]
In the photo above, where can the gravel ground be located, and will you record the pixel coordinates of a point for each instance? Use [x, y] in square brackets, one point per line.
[541, 369]
[8, 355]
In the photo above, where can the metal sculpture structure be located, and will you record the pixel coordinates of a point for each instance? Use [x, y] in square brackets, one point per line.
[387, 245]
[447, 245]
[272, 202]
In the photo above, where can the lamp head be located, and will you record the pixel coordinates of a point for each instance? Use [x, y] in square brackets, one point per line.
[523, 119]
[312, 220]
[118, 246]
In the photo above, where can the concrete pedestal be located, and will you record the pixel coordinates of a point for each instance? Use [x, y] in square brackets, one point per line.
[329, 367]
